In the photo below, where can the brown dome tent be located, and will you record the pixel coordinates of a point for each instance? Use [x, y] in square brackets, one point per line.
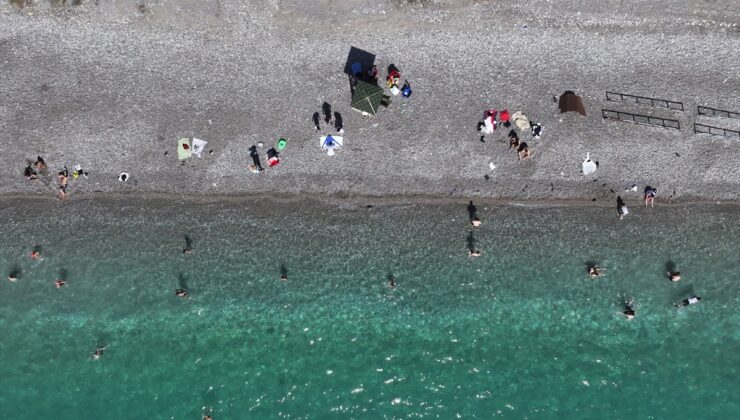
[569, 101]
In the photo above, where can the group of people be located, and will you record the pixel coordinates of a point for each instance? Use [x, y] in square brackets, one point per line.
[629, 308]
[38, 168]
[34, 255]
[493, 119]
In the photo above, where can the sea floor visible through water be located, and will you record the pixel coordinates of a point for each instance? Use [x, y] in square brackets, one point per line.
[520, 332]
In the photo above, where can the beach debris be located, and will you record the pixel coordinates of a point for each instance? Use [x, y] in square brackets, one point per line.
[521, 121]
[589, 166]
[78, 172]
[198, 146]
[491, 165]
[184, 151]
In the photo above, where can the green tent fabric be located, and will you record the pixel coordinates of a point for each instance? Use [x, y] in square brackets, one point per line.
[366, 97]
[184, 151]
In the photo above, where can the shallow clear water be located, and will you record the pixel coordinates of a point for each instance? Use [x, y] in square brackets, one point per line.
[520, 332]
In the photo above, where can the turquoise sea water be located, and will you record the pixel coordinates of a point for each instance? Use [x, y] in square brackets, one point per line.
[520, 332]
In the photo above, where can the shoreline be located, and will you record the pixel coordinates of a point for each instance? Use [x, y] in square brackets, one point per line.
[329, 199]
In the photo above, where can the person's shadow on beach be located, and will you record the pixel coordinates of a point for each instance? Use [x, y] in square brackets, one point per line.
[472, 211]
[326, 109]
[317, 120]
[470, 241]
[338, 124]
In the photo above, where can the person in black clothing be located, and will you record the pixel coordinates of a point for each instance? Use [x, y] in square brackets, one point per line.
[255, 158]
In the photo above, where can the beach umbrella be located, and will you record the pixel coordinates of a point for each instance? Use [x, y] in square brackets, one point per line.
[184, 151]
[366, 97]
[569, 101]
[329, 143]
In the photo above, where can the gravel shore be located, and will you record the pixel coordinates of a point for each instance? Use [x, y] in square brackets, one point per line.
[112, 87]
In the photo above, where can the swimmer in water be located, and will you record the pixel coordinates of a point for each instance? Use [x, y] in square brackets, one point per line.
[594, 271]
[187, 250]
[629, 310]
[284, 277]
[475, 222]
[13, 276]
[35, 254]
[98, 352]
[181, 293]
[59, 283]
[693, 300]
[474, 253]
[674, 275]
[392, 282]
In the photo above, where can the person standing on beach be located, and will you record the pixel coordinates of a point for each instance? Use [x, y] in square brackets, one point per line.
[649, 195]
[255, 158]
[63, 178]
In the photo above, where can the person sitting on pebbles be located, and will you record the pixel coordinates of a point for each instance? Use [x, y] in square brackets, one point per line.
[523, 151]
[513, 139]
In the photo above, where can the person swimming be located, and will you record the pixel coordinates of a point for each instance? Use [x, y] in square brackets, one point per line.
[392, 282]
[284, 277]
[674, 275]
[181, 293]
[13, 276]
[474, 252]
[693, 300]
[59, 283]
[35, 254]
[187, 250]
[629, 310]
[594, 271]
[99, 350]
